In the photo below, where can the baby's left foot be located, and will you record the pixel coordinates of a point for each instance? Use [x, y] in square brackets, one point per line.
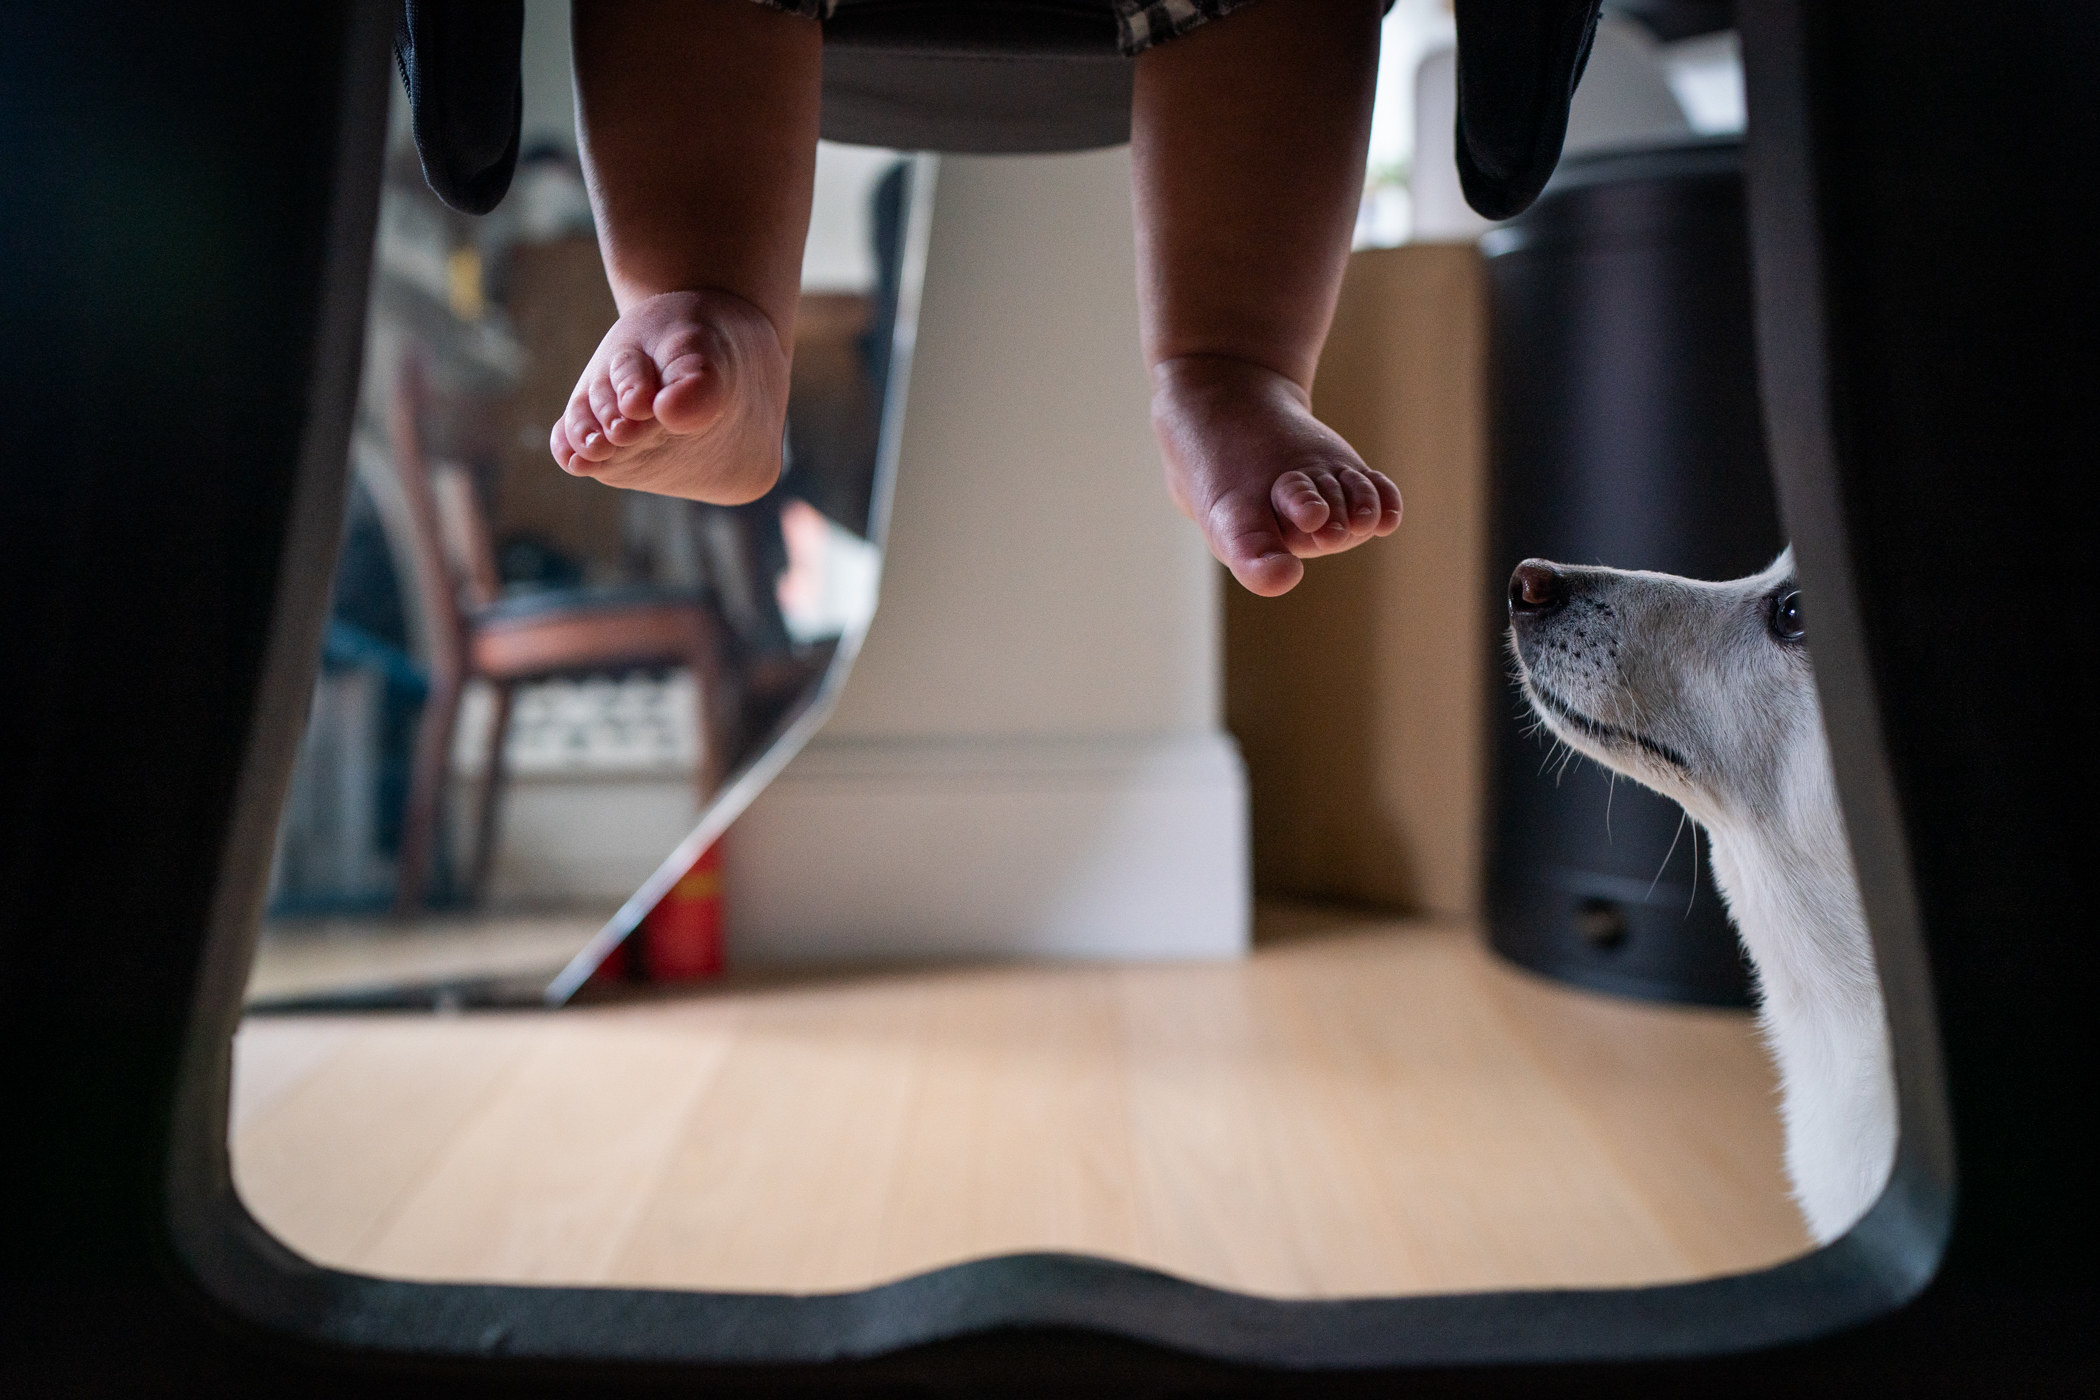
[1266, 482]
[687, 396]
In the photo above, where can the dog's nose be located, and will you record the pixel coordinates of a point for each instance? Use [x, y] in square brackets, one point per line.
[1536, 587]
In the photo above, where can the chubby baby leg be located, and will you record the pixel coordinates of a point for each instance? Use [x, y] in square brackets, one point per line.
[1248, 141]
[698, 123]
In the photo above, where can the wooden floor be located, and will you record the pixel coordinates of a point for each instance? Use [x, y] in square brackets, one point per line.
[1360, 1108]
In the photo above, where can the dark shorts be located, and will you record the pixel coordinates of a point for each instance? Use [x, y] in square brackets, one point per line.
[1139, 23]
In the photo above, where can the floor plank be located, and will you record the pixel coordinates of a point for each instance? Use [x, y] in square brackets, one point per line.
[555, 1169]
[1362, 1107]
[329, 1163]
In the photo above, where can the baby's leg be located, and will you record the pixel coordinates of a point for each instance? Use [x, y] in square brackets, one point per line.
[698, 120]
[1248, 137]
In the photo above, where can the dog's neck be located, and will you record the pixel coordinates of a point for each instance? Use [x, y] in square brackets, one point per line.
[1789, 884]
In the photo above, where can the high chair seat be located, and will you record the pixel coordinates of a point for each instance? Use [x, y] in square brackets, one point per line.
[993, 76]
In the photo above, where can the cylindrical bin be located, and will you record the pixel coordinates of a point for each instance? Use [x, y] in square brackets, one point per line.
[1625, 431]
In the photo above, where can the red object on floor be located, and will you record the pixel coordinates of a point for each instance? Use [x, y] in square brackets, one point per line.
[616, 967]
[681, 938]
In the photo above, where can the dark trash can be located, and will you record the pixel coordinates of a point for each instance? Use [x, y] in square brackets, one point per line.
[1625, 431]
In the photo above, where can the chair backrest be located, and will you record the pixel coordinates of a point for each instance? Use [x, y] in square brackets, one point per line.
[463, 533]
[455, 554]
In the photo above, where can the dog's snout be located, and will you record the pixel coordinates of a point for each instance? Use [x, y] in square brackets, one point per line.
[1536, 587]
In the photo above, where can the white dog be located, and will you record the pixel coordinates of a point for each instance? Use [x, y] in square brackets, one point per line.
[1703, 692]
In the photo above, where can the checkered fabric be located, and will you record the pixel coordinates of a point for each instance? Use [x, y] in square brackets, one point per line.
[1139, 23]
[1142, 23]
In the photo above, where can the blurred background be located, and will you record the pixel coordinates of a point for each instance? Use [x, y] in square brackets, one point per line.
[532, 684]
[1111, 909]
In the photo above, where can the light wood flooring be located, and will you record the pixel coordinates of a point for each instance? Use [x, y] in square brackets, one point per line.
[1360, 1108]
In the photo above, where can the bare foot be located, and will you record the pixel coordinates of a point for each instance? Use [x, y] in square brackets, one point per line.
[1266, 482]
[687, 396]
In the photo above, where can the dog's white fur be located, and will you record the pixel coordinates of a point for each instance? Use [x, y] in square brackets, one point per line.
[1688, 688]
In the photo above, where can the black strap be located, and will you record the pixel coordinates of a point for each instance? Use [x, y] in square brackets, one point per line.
[1518, 64]
[459, 61]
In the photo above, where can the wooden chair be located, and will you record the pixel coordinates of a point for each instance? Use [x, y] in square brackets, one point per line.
[477, 634]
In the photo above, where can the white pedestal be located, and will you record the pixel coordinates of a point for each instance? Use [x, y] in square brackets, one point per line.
[1033, 848]
[1027, 759]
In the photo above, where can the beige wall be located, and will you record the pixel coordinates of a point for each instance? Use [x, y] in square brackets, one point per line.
[1027, 759]
[1038, 582]
[1357, 698]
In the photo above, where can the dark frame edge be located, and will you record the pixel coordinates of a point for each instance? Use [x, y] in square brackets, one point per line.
[255, 1284]
[215, 1242]
[1793, 340]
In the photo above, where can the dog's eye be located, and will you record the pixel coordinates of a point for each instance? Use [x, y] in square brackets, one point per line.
[1788, 624]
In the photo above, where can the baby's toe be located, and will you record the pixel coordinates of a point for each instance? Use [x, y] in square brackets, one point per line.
[620, 430]
[634, 384]
[1242, 533]
[689, 404]
[1364, 505]
[1390, 508]
[1299, 502]
[587, 439]
[1335, 528]
[605, 406]
[1269, 575]
[691, 397]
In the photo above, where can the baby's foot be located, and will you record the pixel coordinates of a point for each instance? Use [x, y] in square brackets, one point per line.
[1266, 482]
[686, 396]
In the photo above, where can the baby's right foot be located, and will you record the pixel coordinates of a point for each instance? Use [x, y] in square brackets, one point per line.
[1267, 483]
[687, 396]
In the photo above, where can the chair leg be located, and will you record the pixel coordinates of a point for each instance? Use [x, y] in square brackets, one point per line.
[720, 716]
[426, 794]
[492, 781]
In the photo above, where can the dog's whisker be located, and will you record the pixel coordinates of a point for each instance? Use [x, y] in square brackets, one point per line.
[1552, 753]
[1675, 836]
[1695, 872]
